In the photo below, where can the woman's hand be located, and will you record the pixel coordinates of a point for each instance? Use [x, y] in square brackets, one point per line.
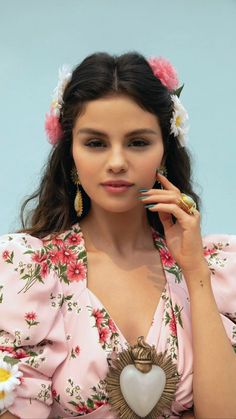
[184, 236]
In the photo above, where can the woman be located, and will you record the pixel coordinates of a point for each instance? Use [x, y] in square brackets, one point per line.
[112, 303]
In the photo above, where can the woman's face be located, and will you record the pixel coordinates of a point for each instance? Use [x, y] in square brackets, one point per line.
[105, 148]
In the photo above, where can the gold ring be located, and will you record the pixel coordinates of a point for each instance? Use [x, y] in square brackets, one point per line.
[187, 204]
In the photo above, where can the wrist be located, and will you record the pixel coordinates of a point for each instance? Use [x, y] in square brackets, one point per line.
[202, 270]
[198, 278]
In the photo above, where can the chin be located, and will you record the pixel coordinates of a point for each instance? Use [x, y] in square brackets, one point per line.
[118, 209]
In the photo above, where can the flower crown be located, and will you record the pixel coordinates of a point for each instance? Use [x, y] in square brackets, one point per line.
[161, 68]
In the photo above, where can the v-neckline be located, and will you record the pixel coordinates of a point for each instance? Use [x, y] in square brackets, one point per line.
[155, 236]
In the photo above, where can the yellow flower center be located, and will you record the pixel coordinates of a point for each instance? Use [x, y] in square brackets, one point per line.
[178, 121]
[4, 375]
[2, 395]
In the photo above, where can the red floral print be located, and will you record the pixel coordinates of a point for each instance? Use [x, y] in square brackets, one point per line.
[5, 254]
[208, 252]
[74, 239]
[213, 255]
[54, 256]
[54, 393]
[8, 256]
[6, 349]
[107, 329]
[166, 258]
[99, 316]
[98, 403]
[57, 241]
[30, 319]
[20, 353]
[112, 326]
[83, 409]
[44, 269]
[77, 350]
[67, 255]
[39, 258]
[173, 326]
[30, 316]
[104, 334]
[76, 271]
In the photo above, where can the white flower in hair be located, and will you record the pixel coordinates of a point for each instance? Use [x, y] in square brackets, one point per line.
[179, 121]
[64, 76]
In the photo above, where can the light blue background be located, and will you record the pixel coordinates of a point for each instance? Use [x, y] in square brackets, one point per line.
[198, 36]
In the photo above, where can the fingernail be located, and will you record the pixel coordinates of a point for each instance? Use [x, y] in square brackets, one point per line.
[142, 197]
[143, 190]
[149, 205]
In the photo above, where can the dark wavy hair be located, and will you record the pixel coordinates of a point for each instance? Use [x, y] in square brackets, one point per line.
[100, 75]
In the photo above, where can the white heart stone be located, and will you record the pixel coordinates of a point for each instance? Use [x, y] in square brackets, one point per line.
[142, 391]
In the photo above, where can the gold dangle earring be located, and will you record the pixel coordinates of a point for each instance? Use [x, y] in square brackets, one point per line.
[78, 202]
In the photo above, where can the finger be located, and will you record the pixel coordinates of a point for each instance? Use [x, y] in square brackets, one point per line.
[160, 192]
[171, 198]
[166, 220]
[166, 183]
[175, 210]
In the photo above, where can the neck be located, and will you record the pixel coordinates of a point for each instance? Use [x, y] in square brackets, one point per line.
[120, 233]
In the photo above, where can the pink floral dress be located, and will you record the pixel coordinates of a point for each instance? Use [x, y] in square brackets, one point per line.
[62, 338]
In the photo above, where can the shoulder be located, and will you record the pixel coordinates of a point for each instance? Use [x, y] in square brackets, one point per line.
[220, 253]
[16, 246]
[220, 238]
[25, 273]
[23, 248]
[42, 267]
[27, 287]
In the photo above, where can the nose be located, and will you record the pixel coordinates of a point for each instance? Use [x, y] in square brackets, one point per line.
[116, 161]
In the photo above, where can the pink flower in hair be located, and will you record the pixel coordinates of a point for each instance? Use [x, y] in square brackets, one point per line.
[53, 127]
[165, 72]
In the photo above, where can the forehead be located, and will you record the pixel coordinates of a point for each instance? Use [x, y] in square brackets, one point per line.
[116, 110]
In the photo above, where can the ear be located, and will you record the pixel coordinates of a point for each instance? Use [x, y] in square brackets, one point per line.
[163, 160]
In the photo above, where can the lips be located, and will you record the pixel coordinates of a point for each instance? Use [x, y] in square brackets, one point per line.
[117, 183]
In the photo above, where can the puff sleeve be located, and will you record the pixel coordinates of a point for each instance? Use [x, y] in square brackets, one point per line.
[220, 252]
[32, 336]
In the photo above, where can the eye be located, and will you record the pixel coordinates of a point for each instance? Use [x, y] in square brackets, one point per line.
[94, 143]
[140, 143]
[133, 143]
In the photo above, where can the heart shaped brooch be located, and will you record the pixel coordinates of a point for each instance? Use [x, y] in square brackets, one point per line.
[141, 383]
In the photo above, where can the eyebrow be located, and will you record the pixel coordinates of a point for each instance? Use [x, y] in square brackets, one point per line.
[102, 133]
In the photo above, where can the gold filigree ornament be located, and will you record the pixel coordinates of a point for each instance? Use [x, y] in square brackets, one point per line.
[141, 383]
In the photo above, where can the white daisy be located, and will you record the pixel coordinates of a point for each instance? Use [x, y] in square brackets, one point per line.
[64, 77]
[179, 120]
[9, 376]
[6, 399]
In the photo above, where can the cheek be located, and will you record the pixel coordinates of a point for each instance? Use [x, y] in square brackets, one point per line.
[149, 166]
[152, 162]
[82, 161]
[86, 170]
